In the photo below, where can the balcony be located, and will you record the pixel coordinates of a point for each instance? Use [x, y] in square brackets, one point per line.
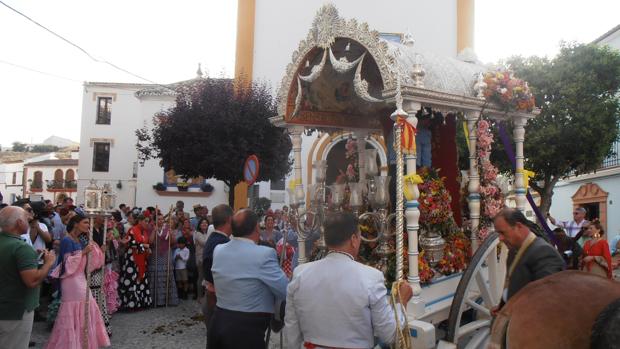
[61, 185]
[614, 159]
[36, 186]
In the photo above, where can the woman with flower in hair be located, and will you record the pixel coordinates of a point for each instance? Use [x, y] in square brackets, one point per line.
[71, 323]
[134, 289]
[596, 253]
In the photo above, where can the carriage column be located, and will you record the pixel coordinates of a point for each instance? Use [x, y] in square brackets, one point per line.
[361, 147]
[519, 137]
[473, 187]
[412, 215]
[295, 134]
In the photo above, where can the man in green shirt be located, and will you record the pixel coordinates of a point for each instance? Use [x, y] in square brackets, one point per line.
[20, 279]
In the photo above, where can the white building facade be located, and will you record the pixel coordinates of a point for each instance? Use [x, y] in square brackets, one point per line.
[111, 114]
[30, 177]
[52, 179]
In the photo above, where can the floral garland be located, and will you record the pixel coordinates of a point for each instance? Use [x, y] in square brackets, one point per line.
[491, 197]
[509, 92]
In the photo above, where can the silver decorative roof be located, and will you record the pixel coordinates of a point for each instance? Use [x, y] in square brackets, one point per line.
[396, 62]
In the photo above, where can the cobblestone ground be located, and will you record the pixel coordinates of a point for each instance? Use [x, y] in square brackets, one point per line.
[172, 327]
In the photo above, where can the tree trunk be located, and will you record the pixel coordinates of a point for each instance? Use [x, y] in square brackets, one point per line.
[231, 193]
[546, 197]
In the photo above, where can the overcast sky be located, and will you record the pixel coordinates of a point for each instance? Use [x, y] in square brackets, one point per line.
[165, 40]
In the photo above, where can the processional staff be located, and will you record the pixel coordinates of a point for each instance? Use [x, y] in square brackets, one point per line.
[404, 139]
[157, 232]
[168, 266]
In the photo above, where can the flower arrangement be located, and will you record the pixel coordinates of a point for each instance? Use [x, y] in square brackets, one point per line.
[435, 211]
[160, 186]
[182, 186]
[491, 197]
[426, 273]
[456, 254]
[507, 91]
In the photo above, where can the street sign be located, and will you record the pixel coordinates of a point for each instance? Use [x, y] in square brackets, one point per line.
[250, 169]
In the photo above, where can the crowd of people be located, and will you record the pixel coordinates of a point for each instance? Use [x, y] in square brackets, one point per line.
[136, 259]
[238, 265]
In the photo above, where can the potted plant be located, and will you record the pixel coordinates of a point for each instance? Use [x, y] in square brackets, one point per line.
[206, 187]
[182, 186]
[159, 187]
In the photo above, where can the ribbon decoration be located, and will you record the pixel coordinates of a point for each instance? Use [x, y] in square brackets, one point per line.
[527, 174]
[411, 179]
[408, 136]
[293, 183]
[466, 131]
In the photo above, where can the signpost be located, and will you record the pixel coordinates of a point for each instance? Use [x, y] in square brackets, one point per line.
[250, 169]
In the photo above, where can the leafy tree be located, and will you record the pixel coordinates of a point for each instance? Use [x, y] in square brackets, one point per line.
[579, 119]
[43, 148]
[20, 147]
[214, 126]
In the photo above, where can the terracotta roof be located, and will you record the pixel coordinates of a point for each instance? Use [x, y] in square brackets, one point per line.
[610, 32]
[53, 162]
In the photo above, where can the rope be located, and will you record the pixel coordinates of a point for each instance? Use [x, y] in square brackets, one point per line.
[402, 340]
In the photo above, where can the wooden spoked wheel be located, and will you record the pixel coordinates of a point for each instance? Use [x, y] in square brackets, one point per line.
[480, 289]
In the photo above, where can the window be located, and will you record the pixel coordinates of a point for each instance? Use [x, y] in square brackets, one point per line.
[37, 182]
[101, 157]
[278, 185]
[14, 177]
[104, 111]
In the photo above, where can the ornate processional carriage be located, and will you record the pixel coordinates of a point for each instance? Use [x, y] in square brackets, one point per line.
[345, 77]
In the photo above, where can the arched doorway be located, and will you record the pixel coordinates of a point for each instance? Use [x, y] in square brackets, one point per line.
[594, 199]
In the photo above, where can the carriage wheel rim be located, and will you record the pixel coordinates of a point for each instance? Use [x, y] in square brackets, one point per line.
[473, 276]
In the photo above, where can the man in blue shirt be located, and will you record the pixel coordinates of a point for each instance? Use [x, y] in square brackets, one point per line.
[248, 281]
[222, 221]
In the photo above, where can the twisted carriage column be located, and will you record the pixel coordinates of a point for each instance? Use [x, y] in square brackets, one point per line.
[473, 187]
[295, 134]
[412, 215]
[519, 137]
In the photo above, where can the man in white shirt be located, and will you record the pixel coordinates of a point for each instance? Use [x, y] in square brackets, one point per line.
[37, 235]
[573, 227]
[337, 302]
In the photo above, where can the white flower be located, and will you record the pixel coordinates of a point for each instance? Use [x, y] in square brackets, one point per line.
[503, 90]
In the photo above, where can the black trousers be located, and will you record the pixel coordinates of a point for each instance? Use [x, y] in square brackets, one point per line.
[236, 330]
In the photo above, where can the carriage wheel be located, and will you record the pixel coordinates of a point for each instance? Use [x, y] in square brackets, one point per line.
[480, 289]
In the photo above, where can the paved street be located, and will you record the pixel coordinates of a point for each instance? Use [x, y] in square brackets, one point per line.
[174, 327]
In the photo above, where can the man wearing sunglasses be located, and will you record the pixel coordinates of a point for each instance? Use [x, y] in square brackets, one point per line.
[573, 227]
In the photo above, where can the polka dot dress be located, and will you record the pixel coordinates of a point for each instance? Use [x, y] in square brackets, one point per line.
[133, 293]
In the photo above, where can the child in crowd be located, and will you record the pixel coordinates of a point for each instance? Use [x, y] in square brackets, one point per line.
[181, 256]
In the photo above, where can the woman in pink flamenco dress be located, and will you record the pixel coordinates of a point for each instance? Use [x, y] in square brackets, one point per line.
[68, 332]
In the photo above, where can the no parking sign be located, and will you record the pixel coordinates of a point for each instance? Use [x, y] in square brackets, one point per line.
[250, 169]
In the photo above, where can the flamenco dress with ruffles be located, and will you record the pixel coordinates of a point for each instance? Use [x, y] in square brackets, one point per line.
[68, 329]
[133, 288]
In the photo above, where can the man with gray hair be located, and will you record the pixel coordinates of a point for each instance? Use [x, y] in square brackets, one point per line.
[20, 279]
[573, 227]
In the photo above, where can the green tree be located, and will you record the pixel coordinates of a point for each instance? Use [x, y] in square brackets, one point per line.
[578, 123]
[214, 126]
[20, 147]
[43, 148]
